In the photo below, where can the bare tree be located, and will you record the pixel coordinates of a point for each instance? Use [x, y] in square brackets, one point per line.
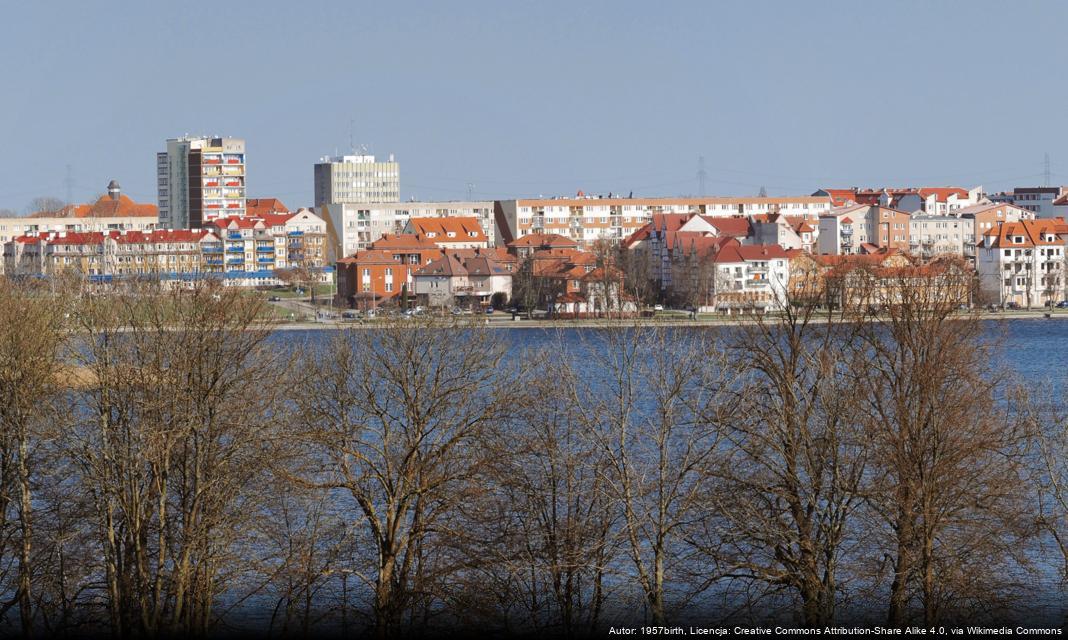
[797, 460]
[657, 403]
[547, 523]
[946, 466]
[391, 418]
[31, 348]
[177, 426]
[47, 205]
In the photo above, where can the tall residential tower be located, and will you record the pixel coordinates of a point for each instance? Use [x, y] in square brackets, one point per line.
[357, 179]
[200, 179]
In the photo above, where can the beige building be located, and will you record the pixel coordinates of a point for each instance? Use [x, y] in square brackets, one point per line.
[862, 228]
[354, 227]
[588, 219]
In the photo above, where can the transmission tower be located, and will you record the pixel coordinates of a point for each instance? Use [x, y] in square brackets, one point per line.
[1047, 172]
[763, 192]
[470, 191]
[701, 175]
[69, 182]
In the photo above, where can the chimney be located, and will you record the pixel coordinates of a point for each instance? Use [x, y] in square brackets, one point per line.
[114, 190]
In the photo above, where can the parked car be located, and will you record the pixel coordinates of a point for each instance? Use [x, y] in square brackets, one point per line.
[658, 307]
[457, 311]
[1063, 304]
[489, 311]
[274, 299]
[350, 315]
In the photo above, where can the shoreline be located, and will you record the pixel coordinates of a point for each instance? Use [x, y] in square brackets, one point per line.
[602, 323]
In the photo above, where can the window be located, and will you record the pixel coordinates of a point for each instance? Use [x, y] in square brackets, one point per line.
[389, 287]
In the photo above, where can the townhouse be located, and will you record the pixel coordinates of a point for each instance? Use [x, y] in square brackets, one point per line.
[1023, 263]
[590, 219]
[467, 281]
[385, 271]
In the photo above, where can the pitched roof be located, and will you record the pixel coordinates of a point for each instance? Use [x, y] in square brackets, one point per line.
[410, 241]
[463, 229]
[261, 206]
[104, 207]
[543, 240]
[1033, 233]
[942, 194]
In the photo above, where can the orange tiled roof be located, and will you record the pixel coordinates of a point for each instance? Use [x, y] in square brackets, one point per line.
[261, 206]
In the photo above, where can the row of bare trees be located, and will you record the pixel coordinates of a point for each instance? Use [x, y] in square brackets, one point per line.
[169, 465]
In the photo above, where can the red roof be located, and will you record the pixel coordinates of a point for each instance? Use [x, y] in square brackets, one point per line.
[464, 229]
[264, 206]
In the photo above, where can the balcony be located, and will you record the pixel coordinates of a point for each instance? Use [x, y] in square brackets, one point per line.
[235, 250]
[211, 248]
[233, 261]
[213, 261]
[265, 249]
[265, 260]
[295, 234]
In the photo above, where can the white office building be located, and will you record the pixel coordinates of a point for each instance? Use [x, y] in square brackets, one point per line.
[356, 179]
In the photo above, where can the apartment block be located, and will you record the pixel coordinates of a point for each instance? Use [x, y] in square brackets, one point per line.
[111, 212]
[238, 251]
[356, 179]
[200, 179]
[589, 219]
[354, 227]
[1023, 263]
[1044, 202]
[863, 228]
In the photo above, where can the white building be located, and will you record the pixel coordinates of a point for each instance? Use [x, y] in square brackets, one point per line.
[353, 227]
[588, 219]
[748, 277]
[356, 179]
[200, 179]
[1023, 263]
[933, 235]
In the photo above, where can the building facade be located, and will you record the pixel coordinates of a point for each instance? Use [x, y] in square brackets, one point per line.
[1044, 202]
[862, 228]
[354, 227]
[1023, 263]
[200, 179]
[588, 220]
[356, 179]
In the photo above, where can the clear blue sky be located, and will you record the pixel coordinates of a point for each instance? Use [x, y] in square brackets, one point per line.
[528, 98]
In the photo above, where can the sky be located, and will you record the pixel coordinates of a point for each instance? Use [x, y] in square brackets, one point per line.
[508, 99]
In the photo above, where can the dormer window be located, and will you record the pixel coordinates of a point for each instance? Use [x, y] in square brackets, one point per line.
[451, 234]
[431, 234]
